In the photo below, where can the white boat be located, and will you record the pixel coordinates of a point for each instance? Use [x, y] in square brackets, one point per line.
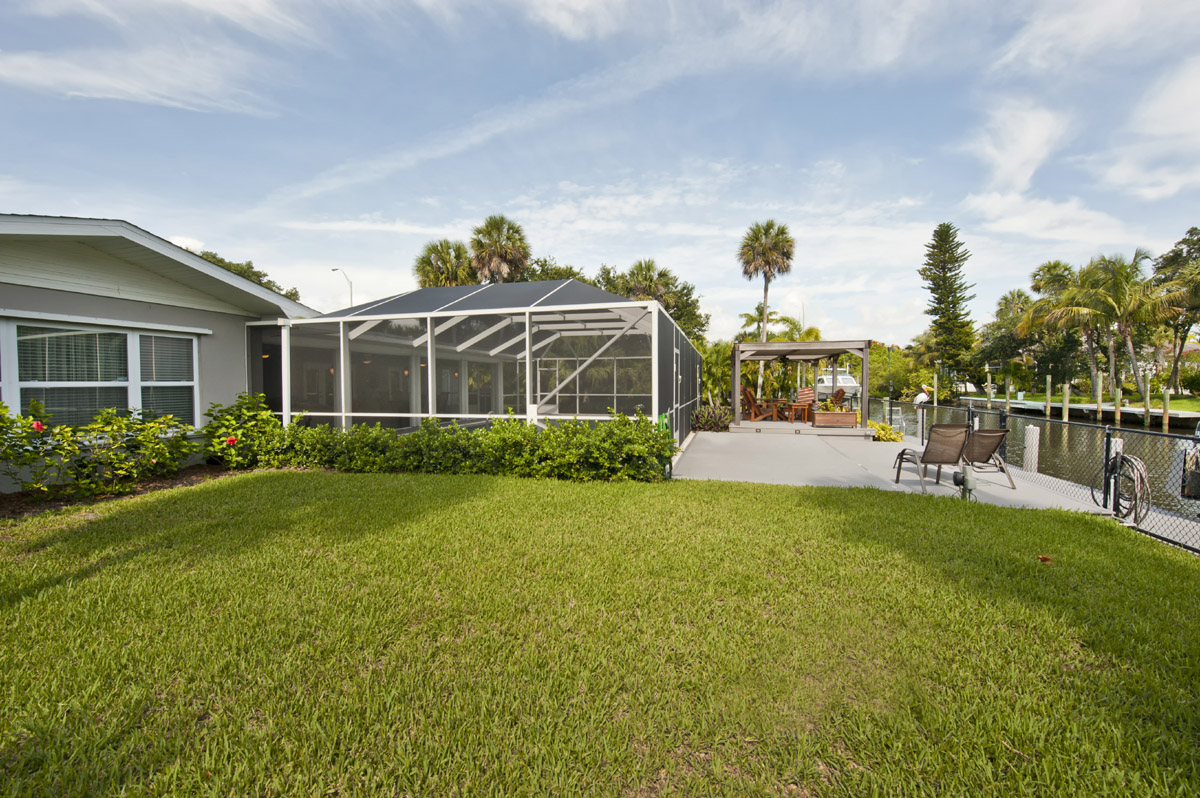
[845, 381]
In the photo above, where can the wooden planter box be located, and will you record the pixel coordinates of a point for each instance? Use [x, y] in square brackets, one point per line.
[826, 418]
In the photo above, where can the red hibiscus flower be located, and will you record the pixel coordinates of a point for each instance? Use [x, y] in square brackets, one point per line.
[230, 441]
[39, 426]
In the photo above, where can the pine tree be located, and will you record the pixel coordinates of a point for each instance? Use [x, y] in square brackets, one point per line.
[953, 332]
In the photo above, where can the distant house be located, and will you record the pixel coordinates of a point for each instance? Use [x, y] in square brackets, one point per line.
[98, 313]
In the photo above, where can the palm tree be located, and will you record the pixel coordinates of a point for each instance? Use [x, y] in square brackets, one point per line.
[794, 330]
[444, 262]
[716, 370]
[1062, 294]
[766, 251]
[499, 250]
[1113, 290]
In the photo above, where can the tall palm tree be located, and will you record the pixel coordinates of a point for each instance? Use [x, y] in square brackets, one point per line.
[1115, 291]
[1061, 290]
[499, 250]
[766, 251]
[444, 262]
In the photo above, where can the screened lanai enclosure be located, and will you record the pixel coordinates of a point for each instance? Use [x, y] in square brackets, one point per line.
[463, 353]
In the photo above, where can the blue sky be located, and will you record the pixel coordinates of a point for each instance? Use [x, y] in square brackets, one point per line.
[312, 134]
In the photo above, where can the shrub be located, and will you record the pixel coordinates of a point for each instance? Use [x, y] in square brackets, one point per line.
[108, 456]
[1189, 378]
[245, 434]
[710, 418]
[118, 451]
[885, 432]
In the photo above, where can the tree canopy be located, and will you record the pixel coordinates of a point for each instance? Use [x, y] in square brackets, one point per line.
[444, 262]
[252, 274]
[499, 250]
[645, 280]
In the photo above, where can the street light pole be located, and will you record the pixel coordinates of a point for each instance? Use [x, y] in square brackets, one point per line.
[348, 283]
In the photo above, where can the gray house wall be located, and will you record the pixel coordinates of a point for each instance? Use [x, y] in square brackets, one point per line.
[221, 371]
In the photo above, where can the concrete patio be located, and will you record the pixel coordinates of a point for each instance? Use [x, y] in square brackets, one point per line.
[844, 461]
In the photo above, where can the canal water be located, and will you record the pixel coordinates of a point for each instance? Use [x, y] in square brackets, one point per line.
[1074, 454]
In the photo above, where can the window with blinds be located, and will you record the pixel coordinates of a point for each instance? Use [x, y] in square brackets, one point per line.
[167, 359]
[76, 373]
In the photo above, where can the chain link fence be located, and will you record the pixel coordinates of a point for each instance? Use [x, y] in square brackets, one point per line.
[1145, 478]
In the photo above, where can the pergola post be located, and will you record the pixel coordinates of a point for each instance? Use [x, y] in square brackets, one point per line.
[735, 382]
[863, 391]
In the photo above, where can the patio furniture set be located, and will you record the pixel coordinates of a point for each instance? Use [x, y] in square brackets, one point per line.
[803, 408]
[956, 445]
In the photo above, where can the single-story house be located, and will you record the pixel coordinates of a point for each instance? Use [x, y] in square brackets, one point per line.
[98, 313]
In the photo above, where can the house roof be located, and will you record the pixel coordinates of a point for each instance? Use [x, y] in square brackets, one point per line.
[541, 295]
[130, 243]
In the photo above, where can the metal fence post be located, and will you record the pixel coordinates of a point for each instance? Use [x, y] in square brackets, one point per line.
[1033, 437]
[1107, 457]
[921, 423]
[971, 415]
[1004, 440]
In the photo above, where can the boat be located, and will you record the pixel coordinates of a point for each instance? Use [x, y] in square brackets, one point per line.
[845, 381]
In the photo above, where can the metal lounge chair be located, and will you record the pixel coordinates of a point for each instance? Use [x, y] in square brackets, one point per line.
[945, 448]
[983, 452]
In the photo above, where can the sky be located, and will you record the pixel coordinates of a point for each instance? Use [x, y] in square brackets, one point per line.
[309, 135]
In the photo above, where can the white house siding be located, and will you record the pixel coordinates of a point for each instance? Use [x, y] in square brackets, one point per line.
[74, 266]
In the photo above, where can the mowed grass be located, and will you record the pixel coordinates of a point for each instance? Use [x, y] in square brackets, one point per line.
[321, 634]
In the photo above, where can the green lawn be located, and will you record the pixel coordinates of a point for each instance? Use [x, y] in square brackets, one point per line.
[326, 634]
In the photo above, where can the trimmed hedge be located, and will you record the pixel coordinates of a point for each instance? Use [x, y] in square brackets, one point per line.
[246, 434]
[712, 419]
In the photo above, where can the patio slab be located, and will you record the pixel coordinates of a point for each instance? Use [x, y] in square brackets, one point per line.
[843, 461]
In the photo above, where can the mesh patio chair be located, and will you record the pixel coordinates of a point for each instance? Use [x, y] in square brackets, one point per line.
[945, 448]
[983, 452]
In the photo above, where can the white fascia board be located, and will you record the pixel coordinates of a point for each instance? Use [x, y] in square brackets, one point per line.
[515, 311]
[121, 324]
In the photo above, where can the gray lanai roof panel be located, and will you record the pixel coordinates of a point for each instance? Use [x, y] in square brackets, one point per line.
[447, 299]
[509, 295]
[577, 293]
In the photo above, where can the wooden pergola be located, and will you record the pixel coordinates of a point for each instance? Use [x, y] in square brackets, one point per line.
[799, 352]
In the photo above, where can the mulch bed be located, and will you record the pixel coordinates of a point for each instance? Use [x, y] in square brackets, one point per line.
[22, 505]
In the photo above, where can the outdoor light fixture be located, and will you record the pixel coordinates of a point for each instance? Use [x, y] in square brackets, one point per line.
[265, 357]
[406, 372]
[350, 284]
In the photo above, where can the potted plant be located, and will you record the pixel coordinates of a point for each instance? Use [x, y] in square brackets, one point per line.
[828, 414]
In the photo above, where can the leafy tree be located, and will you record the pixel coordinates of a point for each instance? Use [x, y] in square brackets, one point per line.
[499, 250]
[549, 269]
[953, 332]
[1179, 268]
[1052, 322]
[252, 274]
[645, 280]
[444, 262]
[716, 370]
[766, 251]
[1000, 340]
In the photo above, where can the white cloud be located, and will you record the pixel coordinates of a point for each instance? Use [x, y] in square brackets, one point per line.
[375, 225]
[1160, 155]
[1019, 137]
[1069, 221]
[202, 77]
[817, 39]
[187, 242]
[580, 19]
[1058, 36]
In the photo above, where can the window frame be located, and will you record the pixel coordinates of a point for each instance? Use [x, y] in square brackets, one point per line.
[11, 386]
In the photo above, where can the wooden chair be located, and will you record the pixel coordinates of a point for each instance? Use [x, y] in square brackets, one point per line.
[945, 448]
[838, 397]
[983, 452]
[802, 407]
[753, 410]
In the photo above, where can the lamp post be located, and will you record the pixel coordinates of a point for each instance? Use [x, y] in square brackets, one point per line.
[348, 283]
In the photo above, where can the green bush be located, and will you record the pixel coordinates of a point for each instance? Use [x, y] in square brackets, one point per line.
[885, 432]
[1189, 379]
[108, 456]
[712, 419]
[245, 434]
